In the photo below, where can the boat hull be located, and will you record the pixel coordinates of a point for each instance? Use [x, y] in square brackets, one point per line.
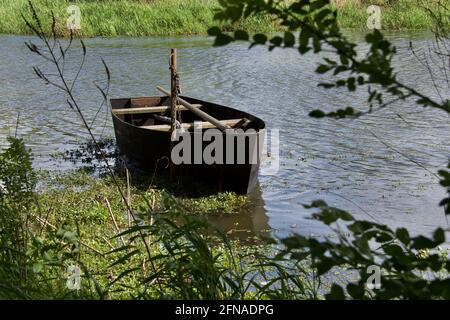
[150, 150]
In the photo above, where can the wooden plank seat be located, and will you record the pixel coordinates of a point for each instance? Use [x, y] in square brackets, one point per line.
[205, 124]
[156, 109]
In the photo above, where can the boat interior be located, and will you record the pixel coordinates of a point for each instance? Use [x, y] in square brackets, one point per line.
[153, 113]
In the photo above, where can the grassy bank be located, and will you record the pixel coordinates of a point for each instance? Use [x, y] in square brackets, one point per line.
[74, 239]
[395, 14]
[186, 17]
[91, 213]
[127, 18]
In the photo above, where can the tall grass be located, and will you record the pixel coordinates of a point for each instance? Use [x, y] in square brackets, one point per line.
[111, 18]
[80, 221]
[127, 18]
[395, 14]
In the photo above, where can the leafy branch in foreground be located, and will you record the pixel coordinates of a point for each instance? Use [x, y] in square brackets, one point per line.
[318, 29]
[403, 259]
[410, 267]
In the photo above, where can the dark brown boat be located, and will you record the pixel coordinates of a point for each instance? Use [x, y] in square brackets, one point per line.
[143, 135]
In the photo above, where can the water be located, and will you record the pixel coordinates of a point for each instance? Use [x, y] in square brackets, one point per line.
[360, 165]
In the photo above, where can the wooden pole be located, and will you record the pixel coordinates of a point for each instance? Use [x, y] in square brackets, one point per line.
[197, 111]
[173, 89]
[173, 102]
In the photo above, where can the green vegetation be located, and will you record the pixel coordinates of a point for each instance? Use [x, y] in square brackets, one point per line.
[166, 250]
[146, 243]
[126, 17]
[111, 18]
[402, 260]
[169, 251]
[395, 14]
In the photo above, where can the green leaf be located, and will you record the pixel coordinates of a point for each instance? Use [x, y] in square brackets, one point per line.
[393, 250]
[214, 31]
[299, 256]
[122, 248]
[260, 38]
[356, 291]
[37, 267]
[439, 236]
[295, 242]
[318, 4]
[363, 245]
[241, 35]
[323, 69]
[125, 273]
[360, 80]
[324, 265]
[359, 227]
[304, 40]
[276, 41]
[317, 114]
[402, 234]
[317, 44]
[125, 258]
[327, 85]
[298, 7]
[383, 237]
[222, 40]
[351, 84]
[422, 242]
[289, 39]
[344, 59]
[322, 15]
[336, 293]
[340, 69]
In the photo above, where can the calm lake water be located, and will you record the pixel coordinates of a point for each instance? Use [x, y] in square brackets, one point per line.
[360, 165]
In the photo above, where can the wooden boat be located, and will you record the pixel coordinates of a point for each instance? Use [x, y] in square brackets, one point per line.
[144, 138]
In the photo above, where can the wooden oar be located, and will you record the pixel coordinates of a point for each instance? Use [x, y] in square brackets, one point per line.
[197, 111]
[143, 110]
[190, 125]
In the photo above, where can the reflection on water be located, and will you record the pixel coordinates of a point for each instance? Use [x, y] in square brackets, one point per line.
[252, 222]
[359, 165]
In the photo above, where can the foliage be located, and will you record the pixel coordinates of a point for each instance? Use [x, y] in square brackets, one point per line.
[401, 258]
[16, 175]
[163, 253]
[410, 267]
[82, 222]
[16, 194]
[23, 250]
[445, 182]
[318, 31]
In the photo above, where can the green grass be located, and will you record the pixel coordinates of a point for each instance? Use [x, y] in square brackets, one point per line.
[79, 202]
[82, 198]
[164, 249]
[72, 223]
[396, 15]
[111, 18]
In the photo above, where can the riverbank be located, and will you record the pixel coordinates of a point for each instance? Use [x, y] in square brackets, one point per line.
[78, 242]
[109, 18]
